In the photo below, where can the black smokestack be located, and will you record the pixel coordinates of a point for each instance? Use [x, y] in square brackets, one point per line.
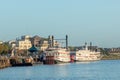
[90, 45]
[52, 41]
[49, 40]
[66, 41]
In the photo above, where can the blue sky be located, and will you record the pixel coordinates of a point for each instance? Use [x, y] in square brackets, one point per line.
[96, 21]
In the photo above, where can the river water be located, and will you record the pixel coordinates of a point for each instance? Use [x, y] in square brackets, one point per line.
[98, 70]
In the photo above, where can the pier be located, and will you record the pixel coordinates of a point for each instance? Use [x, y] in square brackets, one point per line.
[4, 62]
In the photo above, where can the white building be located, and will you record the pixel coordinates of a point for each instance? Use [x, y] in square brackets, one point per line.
[43, 45]
[24, 43]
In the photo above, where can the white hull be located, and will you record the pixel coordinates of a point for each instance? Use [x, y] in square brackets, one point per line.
[60, 55]
[87, 55]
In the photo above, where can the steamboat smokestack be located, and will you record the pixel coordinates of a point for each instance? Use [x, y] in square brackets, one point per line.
[86, 47]
[66, 41]
[52, 41]
[90, 45]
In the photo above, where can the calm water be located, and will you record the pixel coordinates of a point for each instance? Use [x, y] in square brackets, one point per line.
[99, 70]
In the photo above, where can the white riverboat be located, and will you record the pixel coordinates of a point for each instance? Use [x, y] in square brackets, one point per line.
[60, 54]
[87, 55]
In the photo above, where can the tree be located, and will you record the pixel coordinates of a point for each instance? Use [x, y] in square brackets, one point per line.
[4, 48]
[1, 48]
[104, 51]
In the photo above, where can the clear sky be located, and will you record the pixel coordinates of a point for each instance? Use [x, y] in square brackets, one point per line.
[96, 21]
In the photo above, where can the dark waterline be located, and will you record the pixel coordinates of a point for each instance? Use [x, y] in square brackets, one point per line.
[98, 70]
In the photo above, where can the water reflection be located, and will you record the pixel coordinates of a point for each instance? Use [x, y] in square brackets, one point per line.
[62, 70]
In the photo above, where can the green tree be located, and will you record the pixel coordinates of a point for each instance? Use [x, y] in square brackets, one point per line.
[1, 48]
[5, 48]
[104, 51]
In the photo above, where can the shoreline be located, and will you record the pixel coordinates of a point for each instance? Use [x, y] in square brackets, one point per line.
[4, 63]
[111, 57]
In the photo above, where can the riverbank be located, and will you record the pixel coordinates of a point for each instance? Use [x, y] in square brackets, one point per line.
[5, 62]
[111, 57]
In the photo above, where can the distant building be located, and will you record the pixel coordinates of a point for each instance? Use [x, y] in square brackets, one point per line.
[40, 43]
[36, 41]
[43, 45]
[24, 43]
[114, 50]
